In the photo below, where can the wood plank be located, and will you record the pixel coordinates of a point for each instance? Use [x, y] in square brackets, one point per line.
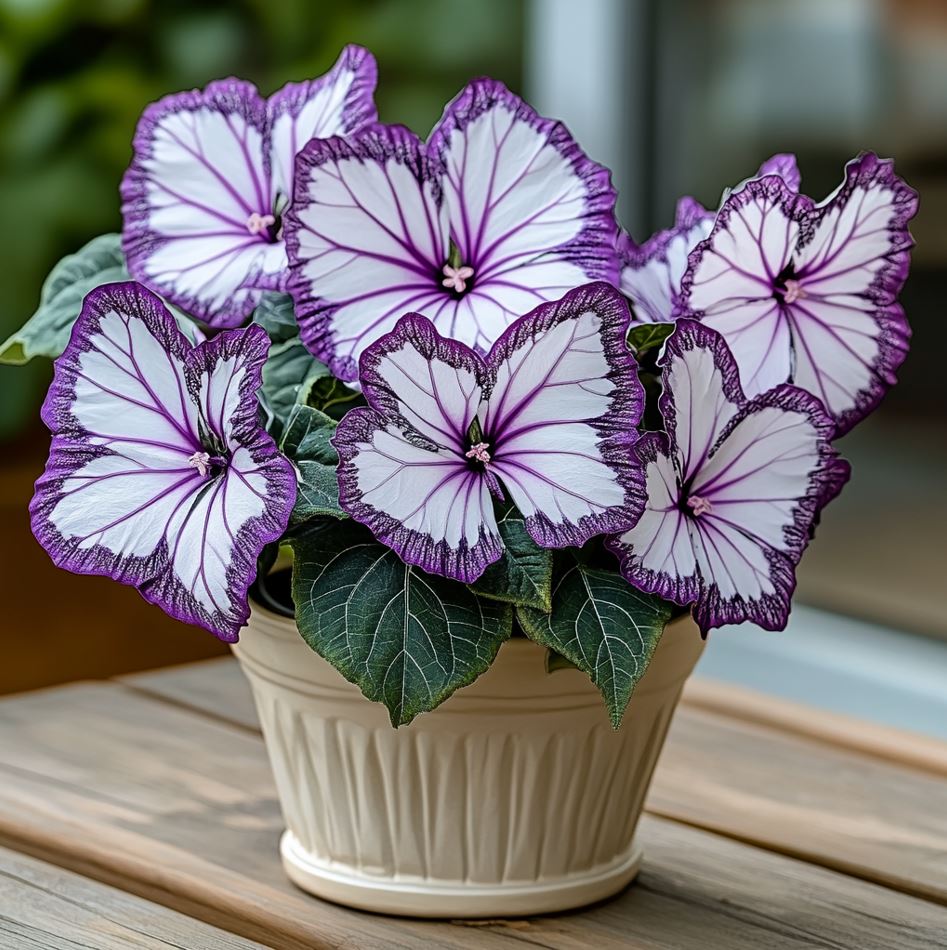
[789, 789]
[181, 809]
[841, 809]
[896, 745]
[46, 907]
[216, 687]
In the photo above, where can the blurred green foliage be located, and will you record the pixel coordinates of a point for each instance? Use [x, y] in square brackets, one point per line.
[76, 74]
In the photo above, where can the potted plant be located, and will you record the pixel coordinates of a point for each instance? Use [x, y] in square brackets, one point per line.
[477, 459]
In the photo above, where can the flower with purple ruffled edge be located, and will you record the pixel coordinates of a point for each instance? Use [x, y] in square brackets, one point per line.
[159, 474]
[548, 417]
[734, 488]
[807, 293]
[498, 212]
[651, 272]
[211, 179]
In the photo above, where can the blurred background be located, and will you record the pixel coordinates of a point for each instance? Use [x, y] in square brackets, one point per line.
[676, 96]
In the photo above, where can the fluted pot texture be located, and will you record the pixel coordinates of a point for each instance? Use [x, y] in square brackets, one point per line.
[515, 796]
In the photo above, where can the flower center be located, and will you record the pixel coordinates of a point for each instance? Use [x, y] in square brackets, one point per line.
[788, 287]
[699, 506]
[201, 461]
[794, 291]
[455, 278]
[479, 452]
[260, 224]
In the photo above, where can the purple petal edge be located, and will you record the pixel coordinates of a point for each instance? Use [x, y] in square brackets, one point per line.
[895, 331]
[376, 143]
[771, 188]
[771, 611]
[152, 575]
[465, 563]
[139, 240]
[679, 590]
[359, 109]
[594, 248]
[784, 165]
[617, 430]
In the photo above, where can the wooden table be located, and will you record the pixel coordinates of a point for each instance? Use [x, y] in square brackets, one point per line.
[141, 813]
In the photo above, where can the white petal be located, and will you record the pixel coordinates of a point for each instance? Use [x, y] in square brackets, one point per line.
[733, 565]
[197, 177]
[130, 388]
[755, 480]
[427, 380]
[528, 211]
[652, 279]
[202, 535]
[120, 505]
[367, 243]
[220, 394]
[424, 501]
[849, 334]
[561, 416]
[702, 393]
[511, 193]
[657, 554]
[431, 493]
[337, 103]
[732, 284]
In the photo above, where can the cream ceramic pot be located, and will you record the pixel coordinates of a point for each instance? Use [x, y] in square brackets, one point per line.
[513, 797]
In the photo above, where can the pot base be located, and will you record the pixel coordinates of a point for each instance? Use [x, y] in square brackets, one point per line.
[416, 897]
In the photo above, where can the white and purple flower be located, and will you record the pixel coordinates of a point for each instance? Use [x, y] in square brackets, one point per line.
[548, 417]
[651, 272]
[734, 488]
[212, 177]
[159, 474]
[498, 212]
[807, 293]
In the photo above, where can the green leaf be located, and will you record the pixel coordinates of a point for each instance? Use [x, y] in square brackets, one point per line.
[47, 332]
[603, 625]
[289, 374]
[306, 442]
[405, 638]
[556, 661]
[333, 397]
[523, 576]
[275, 314]
[648, 336]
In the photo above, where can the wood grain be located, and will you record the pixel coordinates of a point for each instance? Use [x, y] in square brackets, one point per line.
[180, 809]
[838, 808]
[777, 782]
[42, 906]
[881, 742]
[216, 687]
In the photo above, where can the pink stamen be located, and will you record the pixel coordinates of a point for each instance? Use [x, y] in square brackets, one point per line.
[794, 291]
[700, 506]
[258, 223]
[455, 278]
[200, 461]
[479, 452]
